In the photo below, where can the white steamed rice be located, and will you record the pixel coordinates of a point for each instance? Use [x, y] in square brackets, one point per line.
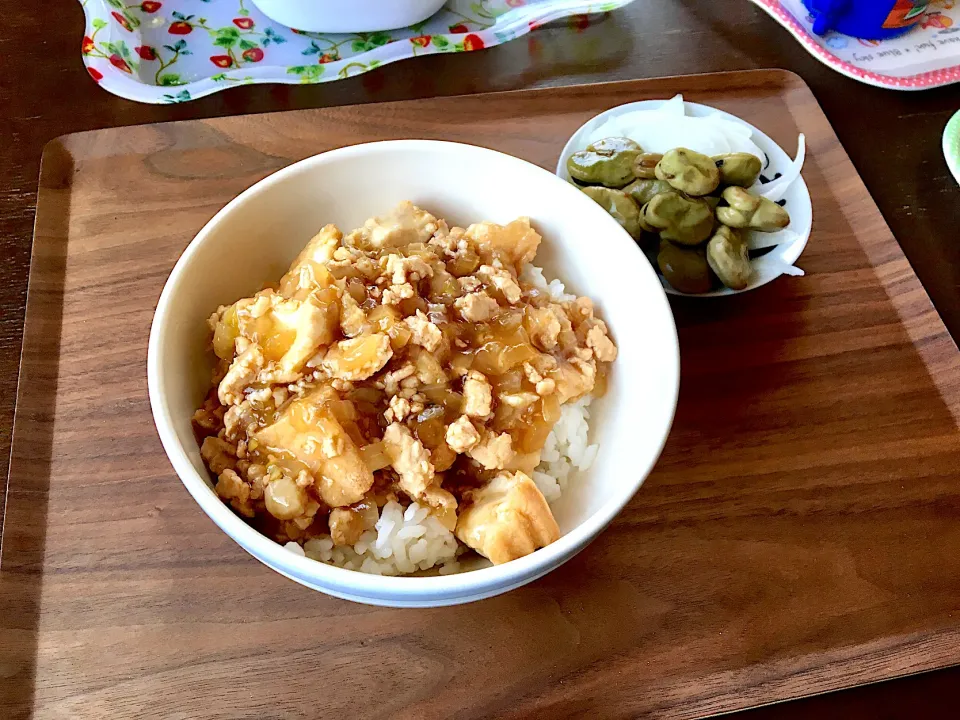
[409, 539]
[567, 450]
[404, 540]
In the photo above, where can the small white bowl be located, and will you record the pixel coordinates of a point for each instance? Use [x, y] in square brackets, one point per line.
[797, 196]
[254, 238]
[348, 16]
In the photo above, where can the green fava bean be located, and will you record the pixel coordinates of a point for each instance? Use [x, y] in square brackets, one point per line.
[619, 206]
[745, 210]
[686, 269]
[688, 171]
[687, 221]
[608, 162]
[740, 169]
[645, 166]
[729, 258]
[644, 190]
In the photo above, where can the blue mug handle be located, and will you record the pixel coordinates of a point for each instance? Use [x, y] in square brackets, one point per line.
[825, 13]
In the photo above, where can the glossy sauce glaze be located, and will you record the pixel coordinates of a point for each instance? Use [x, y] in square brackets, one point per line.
[405, 361]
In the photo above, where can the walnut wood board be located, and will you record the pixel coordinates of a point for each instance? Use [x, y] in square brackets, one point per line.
[798, 535]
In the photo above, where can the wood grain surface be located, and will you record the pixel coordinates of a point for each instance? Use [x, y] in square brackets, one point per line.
[892, 138]
[799, 534]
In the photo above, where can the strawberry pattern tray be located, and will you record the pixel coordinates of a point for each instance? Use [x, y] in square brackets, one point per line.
[925, 57]
[167, 51]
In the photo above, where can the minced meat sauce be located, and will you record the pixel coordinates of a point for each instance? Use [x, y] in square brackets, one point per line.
[407, 360]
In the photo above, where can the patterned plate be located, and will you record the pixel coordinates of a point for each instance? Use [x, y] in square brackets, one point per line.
[927, 56]
[164, 51]
[951, 145]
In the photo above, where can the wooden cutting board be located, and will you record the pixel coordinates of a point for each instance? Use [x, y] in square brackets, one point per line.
[799, 534]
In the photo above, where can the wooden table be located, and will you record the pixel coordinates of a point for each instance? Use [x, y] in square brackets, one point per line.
[45, 93]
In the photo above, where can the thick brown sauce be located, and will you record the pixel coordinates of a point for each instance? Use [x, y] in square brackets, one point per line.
[497, 348]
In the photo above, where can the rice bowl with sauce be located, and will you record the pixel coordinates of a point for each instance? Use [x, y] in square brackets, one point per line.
[252, 241]
[386, 405]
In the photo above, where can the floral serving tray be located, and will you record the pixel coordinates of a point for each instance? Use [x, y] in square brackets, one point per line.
[925, 57]
[164, 51]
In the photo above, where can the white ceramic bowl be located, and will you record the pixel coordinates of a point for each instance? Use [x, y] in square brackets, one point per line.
[255, 237]
[797, 196]
[348, 16]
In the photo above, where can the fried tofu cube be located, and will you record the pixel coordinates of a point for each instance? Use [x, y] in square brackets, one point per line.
[506, 519]
[358, 358]
[243, 371]
[312, 324]
[517, 241]
[404, 225]
[309, 431]
[320, 249]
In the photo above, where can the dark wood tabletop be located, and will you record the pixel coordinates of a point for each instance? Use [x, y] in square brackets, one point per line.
[893, 139]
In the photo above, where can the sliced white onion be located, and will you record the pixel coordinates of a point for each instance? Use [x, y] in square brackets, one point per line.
[791, 270]
[772, 264]
[731, 126]
[669, 127]
[674, 106]
[775, 190]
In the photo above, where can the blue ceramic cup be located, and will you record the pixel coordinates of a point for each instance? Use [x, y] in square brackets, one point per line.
[867, 19]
